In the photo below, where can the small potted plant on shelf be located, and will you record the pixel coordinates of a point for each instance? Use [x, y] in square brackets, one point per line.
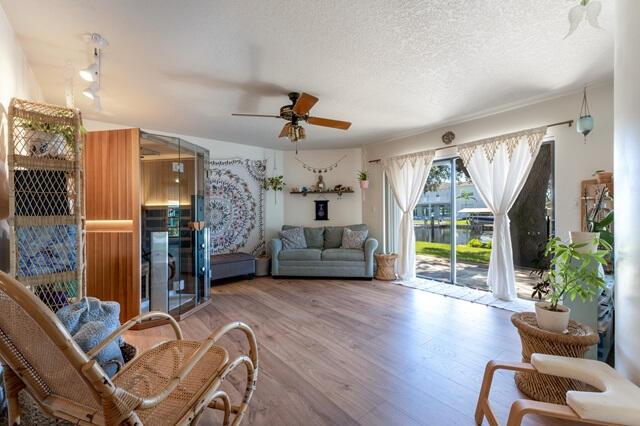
[275, 183]
[573, 272]
[363, 177]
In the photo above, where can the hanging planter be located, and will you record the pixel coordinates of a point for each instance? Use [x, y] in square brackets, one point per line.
[363, 177]
[275, 183]
[585, 121]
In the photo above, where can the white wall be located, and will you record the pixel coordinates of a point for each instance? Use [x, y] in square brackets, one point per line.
[300, 210]
[627, 187]
[225, 150]
[16, 80]
[574, 160]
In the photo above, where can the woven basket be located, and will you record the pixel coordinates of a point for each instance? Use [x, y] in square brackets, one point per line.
[574, 343]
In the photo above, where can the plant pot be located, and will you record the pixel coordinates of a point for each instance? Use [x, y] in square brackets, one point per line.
[585, 237]
[604, 177]
[364, 184]
[584, 125]
[262, 266]
[556, 321]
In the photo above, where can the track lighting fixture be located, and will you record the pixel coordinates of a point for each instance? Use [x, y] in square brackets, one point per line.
[92, 72]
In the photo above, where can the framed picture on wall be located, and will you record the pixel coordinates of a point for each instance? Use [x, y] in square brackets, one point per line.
[322, 209]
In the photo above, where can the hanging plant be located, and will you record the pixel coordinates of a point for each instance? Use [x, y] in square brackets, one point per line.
[363, 177]
[274, 183]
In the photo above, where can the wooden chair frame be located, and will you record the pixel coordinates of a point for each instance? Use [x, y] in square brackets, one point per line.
[520, 407]
[114, 398]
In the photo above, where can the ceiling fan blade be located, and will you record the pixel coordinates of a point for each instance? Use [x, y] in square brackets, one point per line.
[326, 122]
[304, 104]
[285, 130]
[257, 115]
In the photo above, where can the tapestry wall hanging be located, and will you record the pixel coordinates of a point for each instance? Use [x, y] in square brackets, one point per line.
[235, 205]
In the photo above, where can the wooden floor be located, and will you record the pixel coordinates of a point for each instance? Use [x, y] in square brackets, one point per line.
[335, 352]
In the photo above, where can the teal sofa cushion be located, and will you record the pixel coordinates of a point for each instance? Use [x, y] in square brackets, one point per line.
[351, 255]
[300, 254]
[313, 236]
[333, 235]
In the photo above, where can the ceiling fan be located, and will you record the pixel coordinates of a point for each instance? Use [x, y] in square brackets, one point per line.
[301, 104]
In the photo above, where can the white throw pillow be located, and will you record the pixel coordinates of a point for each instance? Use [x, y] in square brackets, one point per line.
[353, 239]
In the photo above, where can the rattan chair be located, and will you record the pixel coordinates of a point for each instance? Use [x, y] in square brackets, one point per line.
[170, 384]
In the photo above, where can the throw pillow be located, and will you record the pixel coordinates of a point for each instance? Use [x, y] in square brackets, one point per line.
[87, 309]
[353, 239]
[293, 238]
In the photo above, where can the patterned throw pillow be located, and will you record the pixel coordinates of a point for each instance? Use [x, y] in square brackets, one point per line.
[353, 239]
[293, 238]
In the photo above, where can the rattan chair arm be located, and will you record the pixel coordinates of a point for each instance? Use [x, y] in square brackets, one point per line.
[157, 398]
[132, 322]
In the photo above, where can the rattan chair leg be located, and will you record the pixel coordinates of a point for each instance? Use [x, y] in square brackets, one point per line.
[13, 385]
[221, 401]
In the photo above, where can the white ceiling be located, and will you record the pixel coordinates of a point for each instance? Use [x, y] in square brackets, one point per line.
[391, 67]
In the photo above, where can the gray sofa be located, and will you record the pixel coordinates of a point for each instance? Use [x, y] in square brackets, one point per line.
[323, 256]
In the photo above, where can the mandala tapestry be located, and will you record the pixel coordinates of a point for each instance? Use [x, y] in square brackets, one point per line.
[235, 205]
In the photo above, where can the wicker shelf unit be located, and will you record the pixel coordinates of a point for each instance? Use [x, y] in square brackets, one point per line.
[45, 200]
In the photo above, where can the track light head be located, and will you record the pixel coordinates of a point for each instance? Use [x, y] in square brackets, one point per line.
[89, 73]
[90, 92]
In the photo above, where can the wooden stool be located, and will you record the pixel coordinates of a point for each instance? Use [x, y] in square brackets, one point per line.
[574, 343]
[386, 266]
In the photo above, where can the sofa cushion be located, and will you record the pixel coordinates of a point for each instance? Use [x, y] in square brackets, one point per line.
[300, 254]
[351, 255]
[333, 234]
[293, 238]
[313, 236]
[353, 239]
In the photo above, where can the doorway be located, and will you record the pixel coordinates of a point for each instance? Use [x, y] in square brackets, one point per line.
[454, 228]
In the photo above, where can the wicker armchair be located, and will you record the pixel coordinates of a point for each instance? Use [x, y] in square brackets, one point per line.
[170, 384]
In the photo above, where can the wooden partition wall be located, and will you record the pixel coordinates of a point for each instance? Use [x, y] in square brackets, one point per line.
[112, 197]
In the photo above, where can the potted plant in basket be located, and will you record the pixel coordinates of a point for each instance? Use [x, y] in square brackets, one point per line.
[573, 272]
[276, 183]
[363, 177]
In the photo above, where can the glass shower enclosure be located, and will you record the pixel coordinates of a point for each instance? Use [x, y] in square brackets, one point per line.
[175, 263]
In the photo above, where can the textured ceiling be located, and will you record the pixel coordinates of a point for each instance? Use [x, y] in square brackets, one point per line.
[390, 67]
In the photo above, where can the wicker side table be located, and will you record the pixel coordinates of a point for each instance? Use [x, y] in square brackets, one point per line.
[574, 343]
[386, 266]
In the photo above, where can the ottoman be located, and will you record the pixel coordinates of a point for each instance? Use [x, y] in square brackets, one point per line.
[232, 265]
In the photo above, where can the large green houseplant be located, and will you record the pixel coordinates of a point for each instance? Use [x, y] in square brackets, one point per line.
[574, 273]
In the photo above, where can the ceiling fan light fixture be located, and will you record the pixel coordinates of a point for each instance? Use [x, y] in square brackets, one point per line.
[296, 133]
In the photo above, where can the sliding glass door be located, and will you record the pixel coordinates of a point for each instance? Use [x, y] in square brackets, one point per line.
[432, 219]
[454, 227]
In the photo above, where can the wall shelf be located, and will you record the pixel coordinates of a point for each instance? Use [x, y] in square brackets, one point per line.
[305, 193]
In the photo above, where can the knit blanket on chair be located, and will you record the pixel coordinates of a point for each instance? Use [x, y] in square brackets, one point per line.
[89, 321]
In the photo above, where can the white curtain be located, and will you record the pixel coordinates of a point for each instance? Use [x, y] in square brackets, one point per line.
[407, 176]
[499, 168]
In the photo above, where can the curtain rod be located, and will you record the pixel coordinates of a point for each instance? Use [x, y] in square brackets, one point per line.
[560, 123]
